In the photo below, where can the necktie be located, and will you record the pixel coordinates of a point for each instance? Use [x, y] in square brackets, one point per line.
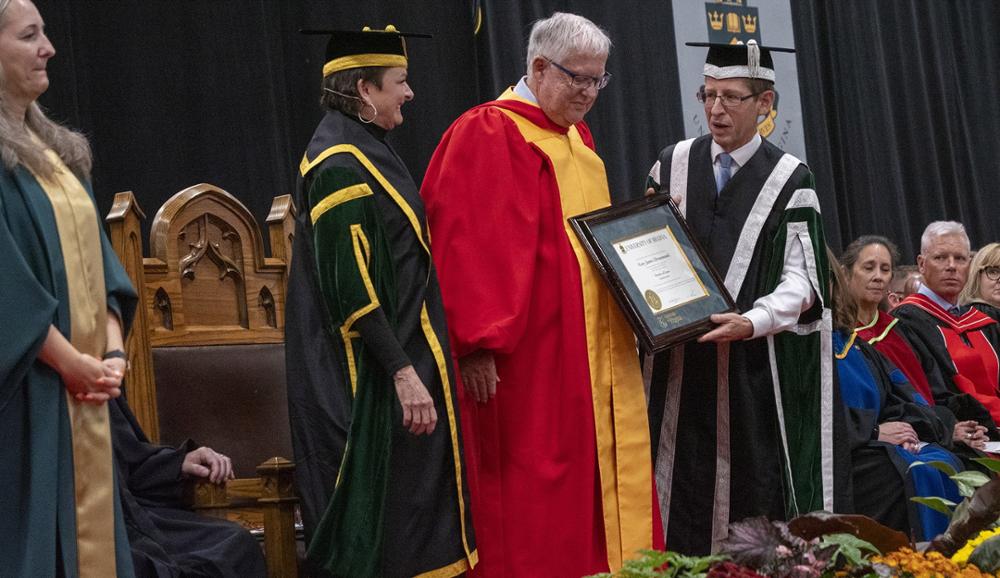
[956, 311]
[725, 171]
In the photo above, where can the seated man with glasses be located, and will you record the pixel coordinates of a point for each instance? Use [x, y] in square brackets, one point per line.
[725, 447]
[553, 412]
[962, 340]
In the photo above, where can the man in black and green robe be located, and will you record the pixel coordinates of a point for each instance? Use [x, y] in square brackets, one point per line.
[364, 308]
[742, 420]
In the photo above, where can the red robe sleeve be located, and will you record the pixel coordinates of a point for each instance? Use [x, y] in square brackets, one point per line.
[481, 192]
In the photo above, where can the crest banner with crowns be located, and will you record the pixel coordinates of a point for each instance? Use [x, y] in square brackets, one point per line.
[769, 22]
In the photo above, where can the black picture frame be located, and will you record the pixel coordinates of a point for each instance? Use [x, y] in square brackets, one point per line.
[654, 222]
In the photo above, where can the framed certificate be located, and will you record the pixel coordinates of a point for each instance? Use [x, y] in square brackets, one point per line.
[659, 275]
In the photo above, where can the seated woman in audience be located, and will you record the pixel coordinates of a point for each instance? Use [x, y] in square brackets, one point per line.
[983, 285]
[889, 427]
[868, 264]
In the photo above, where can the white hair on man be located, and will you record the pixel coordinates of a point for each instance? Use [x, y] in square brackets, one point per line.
[563, 34]
[941, 229]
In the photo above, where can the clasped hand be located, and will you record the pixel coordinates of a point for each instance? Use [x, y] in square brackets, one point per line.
[971, 434]
[898, 433]
[91, 380]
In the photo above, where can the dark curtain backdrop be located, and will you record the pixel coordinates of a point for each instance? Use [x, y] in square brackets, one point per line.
[902, 101]
[176, 93]
[900, 98]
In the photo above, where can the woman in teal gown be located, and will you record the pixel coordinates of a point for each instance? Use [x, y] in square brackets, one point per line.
[64, 301]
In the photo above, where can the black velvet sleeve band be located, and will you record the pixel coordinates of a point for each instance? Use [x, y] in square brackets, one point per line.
[381, 342]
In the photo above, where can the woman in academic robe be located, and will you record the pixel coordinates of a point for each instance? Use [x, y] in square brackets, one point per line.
[890, 427]
[868, 263]
[64, 301]
[370, 383]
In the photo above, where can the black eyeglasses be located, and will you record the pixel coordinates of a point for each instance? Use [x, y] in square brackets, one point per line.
[581, 81]
[728, 100]
[992, 272]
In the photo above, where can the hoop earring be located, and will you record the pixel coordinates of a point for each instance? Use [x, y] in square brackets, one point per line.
[374, 113]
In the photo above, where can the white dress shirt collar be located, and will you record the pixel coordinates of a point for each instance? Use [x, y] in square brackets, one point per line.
[524, 92]
[930, 294]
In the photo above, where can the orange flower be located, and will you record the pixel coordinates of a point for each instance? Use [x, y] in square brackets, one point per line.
[927, 565]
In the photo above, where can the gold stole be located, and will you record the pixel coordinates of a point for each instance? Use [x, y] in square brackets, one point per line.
[93, 469]
[623, 452]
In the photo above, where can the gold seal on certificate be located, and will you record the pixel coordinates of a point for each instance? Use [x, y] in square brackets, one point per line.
[654, 300]
[659, 276]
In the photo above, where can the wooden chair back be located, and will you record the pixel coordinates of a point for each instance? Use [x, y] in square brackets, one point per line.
[207, 347]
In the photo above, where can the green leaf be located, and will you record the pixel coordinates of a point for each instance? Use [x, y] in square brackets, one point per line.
[971, 477]
[650, 564]
[937, 504]
[991, 463]
[850, 547]
[969, 481]
[936, 464]
[689, 566]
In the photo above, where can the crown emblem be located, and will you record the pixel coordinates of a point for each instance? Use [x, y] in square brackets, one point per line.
[733, 23]
[750, 23]
[715, 20]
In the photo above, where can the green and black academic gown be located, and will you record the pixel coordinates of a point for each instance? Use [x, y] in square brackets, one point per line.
[364, 302]
[726, 446]
[38, 519]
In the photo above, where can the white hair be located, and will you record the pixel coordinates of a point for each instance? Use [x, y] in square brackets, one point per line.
[563, 34]
[941, 229]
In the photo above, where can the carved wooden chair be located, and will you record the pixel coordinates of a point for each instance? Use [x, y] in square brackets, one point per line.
[207, 348]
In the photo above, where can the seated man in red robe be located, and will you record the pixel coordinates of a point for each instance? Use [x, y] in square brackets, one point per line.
[553, 412]
[962, 340]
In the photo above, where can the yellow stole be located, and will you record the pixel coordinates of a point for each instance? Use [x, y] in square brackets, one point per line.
[93, 469]
[623, 452]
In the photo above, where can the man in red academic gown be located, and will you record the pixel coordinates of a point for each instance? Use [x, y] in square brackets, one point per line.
[962, 340]
[553, 410]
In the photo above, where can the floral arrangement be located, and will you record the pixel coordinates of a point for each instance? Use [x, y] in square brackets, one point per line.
[819, 545]
[822, 545]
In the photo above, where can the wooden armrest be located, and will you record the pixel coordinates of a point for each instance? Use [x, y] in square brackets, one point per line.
[272, 494]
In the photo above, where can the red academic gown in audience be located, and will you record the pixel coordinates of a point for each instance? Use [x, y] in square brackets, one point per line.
[881, 334]
[560, 466]
[963, 348]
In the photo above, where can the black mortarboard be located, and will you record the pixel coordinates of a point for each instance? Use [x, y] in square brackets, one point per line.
[357, 48]
[739, 60]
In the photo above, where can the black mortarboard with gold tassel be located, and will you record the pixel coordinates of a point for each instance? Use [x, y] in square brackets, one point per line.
[359, 48]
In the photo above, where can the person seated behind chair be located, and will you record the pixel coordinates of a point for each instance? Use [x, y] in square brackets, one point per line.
[889, 428]
[168, 539]
[867, 265]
